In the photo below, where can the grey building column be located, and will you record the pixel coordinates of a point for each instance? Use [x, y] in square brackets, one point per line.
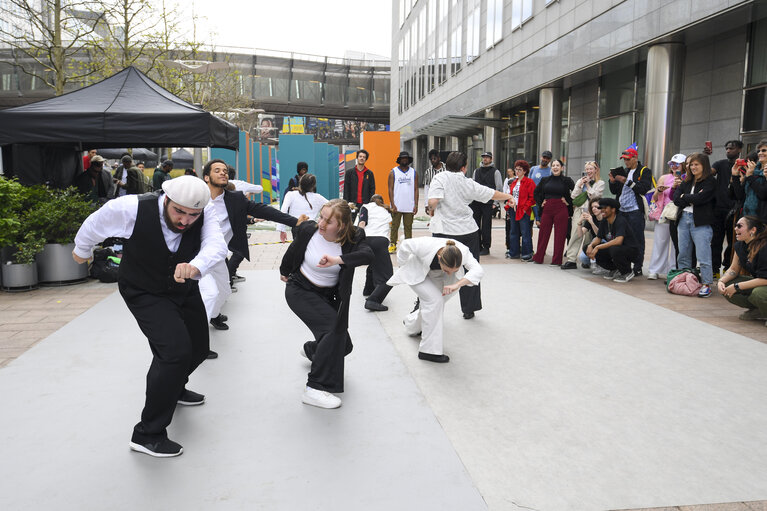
[453, 144]
[415, 152]
[431, 143]
[550, 121]
[663, 105]
[492, 135]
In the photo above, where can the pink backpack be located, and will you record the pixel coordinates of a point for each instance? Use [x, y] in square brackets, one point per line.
[686, 284]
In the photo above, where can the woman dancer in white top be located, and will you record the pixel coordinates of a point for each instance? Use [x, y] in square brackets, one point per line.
[434, 269]
[375, 219]
[303, 201]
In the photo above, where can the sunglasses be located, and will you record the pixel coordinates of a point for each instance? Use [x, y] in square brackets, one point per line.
[763, 150]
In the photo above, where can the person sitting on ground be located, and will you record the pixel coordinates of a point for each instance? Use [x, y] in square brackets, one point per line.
[522, 190]
[695, 199]
[615, 245]
[587, 188]
[433, 268]
[663, 255]
[304, 201]
[588, 224]
[375, 219]
[749, 257]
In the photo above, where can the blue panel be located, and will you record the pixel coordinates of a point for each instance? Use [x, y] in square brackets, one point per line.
[242, 161]
[320, 168]
[333, 152]
[293, 148]
[229, 156]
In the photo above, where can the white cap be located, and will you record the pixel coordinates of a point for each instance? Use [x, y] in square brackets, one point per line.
[678, 158]
[188, 191]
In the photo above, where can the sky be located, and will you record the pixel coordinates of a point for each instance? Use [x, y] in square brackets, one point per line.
[317, 27]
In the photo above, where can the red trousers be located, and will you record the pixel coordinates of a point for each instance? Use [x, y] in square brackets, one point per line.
[554, 215]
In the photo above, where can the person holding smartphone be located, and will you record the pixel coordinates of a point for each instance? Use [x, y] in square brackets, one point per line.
[751, 187]
[663, 258]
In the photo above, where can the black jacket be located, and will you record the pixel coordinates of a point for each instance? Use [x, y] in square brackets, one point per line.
[642, 183]
[703, 199]
[238, 208]
[350, 186]
[723, 174]
[539, 192]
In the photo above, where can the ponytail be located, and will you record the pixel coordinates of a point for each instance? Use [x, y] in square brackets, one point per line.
[307, 183]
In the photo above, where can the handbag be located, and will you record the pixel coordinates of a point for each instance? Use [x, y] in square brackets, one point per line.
[581, 199]
[669, 214]
[655, 211]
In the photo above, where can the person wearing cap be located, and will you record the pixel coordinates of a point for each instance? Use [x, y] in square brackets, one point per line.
[359, 183]
[232, 210]
[638, 178]
[128, 179]
[403, 197]
[614, 246]
[723, 221]
[538, 172]
[489, 176]
[162, 174]
[172, 239]
[301, 168]
[96, 182]
[663, 256]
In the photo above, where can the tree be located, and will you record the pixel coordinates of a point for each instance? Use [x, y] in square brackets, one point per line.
[43, 35]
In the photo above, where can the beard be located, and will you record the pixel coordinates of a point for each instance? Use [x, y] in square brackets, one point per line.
[169, 222]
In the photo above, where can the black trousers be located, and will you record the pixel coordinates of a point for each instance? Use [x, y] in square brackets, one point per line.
[617, 257]
[483, 216]
[717, 241]
[380, 270]
[507, 227]
[233, 263]
[177, 330]
[471, 297]
[318, 309]
[636, 223]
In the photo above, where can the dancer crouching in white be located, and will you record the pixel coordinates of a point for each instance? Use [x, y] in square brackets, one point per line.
[435, 268]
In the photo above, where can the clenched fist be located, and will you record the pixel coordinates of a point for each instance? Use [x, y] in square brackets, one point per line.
[185, 271]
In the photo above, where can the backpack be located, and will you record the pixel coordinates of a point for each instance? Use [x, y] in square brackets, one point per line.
[685, 282]
[106, 266]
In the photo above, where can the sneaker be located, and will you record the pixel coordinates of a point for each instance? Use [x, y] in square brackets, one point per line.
[468, 315]
[569, 265]
[320, 398]
[527, 259]
[218, 323]
[392, 248]
[585, 266]
[190, 398]
[484, 252]
[624, 277]
[598, 270]
[611, 274]
[375, 306]
[164, 448]
[638, 272]
[717, 275]
[752, 314]
[238, 278]
[234, 289]
[211, 355]
[652, 276]
[440, 359]
[705, 291]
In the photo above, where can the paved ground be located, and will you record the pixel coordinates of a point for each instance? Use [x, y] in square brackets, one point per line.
[536, 410]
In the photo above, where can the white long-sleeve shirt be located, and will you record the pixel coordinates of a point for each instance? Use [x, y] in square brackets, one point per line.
[117, 218]
[296, 205]
[245, 187]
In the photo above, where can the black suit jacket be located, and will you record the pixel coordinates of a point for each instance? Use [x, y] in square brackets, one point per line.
[703, 200]
[350, 185]
[238, 207]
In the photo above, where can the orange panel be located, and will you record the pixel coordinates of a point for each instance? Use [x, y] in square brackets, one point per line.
[384, 147]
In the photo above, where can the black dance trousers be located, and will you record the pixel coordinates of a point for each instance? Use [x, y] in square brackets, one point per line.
[636, 224]
[233, 263]
[318, 309]
[471, 297]
[176, 327]
[617, 257]
[717, 241]
[380, 270]
[483, 216]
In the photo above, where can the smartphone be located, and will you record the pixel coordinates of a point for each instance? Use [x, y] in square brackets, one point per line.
[709, 146]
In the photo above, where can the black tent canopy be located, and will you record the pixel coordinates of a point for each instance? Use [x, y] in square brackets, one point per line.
[126, 109]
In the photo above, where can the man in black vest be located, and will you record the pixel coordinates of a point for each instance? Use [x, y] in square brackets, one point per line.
[232, 210]
[170, 243]
[489, 176]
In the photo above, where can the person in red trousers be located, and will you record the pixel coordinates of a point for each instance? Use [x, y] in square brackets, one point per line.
[553, 198]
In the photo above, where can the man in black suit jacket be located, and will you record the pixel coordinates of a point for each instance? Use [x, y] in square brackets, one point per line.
[359, 183]
[232, 210]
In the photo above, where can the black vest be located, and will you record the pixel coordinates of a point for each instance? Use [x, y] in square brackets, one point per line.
[485, 176]
[147, 263]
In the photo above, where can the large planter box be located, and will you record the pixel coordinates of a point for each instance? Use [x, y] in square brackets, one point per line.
[56, 266]
[19, 277]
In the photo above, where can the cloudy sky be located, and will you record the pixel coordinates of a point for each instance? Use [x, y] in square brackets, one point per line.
[306, 26]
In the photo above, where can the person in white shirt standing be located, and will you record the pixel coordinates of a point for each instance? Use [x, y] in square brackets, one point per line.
[170, 244]
[304, 201]
[403, 197]
[450, 194]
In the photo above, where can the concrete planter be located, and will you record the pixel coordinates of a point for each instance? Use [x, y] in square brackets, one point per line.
[57, 268]
[19, 277]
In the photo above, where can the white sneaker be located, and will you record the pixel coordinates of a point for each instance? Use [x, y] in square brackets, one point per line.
[652, 276]
[320, 398]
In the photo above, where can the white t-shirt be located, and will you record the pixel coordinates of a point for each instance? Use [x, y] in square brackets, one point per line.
[692, 190]
[318, 247]
[455, 191]
[515, 191]
[379, 220]
[296, 205]
[404, 191]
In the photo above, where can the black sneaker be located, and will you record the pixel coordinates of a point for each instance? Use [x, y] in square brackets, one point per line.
[164, 448]
[218, 323]
[234, 289]
[211, 355]
[375, 306]
[238, 278]
[569, 265]
[440, 359]
[484, 251]
[223, 317]
[190, 398]
[468, 315]
[638, 273]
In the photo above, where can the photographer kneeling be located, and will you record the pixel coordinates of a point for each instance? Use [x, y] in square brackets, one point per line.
[615, 245]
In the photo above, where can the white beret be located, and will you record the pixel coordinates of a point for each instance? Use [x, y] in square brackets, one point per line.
[188, 191]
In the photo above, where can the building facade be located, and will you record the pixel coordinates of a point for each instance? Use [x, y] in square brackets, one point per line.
[582, 78]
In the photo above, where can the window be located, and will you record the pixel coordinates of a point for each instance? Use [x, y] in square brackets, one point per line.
[456, 46]
[472, 32]
[521, 11]
[494, 26]
[755, 103]
[442, 30]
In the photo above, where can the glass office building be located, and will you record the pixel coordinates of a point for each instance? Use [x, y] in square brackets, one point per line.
[582, 78]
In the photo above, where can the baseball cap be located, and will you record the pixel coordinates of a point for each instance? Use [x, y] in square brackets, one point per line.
[677, 158]
[629, 153]
[97, 159]
[486, 153]
[547, 154]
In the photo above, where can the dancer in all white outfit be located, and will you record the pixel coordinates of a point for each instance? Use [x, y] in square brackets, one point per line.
[434, 268]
